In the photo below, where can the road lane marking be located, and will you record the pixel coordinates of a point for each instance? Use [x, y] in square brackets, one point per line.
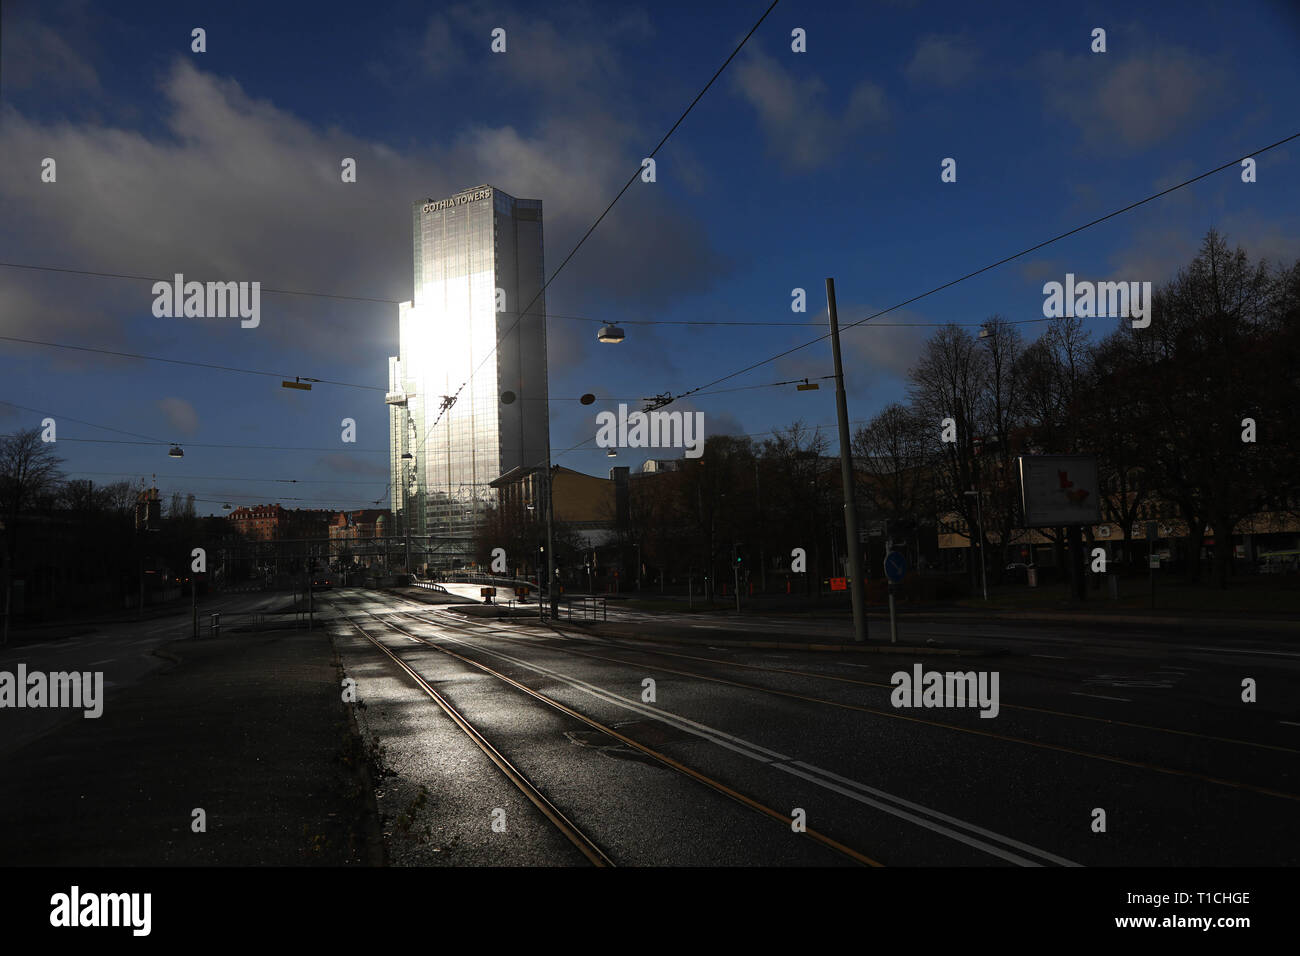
[645, 648]
[1233, 650]
[935, 813]
[1079, 693]
[866, 683]
[764, 755]
[1109, 758]
[106, 660]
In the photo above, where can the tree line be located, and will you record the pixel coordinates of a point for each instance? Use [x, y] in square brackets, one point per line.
[1193, 418]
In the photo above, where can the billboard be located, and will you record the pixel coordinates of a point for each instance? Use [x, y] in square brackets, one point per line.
[1059, 490]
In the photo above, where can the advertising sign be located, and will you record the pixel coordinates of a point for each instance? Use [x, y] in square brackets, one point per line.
[1059, 490]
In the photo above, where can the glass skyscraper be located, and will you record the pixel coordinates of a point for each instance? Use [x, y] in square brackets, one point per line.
[478, 264]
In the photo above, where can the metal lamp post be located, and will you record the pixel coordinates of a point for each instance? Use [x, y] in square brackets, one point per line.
[979, 514]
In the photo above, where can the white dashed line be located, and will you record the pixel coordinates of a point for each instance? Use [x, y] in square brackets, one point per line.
[1123, 700]
[106, 660]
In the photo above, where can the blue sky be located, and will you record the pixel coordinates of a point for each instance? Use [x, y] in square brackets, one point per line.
[792, 168]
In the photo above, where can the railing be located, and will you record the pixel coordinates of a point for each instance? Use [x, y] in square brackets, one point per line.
[430, 586]
[249, 621]
[588, 607]
[476, 577]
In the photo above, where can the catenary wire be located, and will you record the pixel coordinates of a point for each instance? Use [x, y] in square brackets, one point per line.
[999, 262]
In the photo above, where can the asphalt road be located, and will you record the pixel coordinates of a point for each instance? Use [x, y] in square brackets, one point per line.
[124, 651]
[756, 756]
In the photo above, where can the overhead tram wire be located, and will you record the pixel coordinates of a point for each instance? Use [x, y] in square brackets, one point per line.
[169, 279]
[601, 217]
[150, 440]
[288, 481]
[227, 500]
[193, 444]
[994, 265]
[172, 361]
[57, 418]
[594, 320]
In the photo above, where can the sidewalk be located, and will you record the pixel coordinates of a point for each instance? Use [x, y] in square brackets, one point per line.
[250, 728]
[1098, 611]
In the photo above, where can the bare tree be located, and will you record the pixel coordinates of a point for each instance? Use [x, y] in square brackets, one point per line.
[1001, 432]
[892, 469]
[29, 471]
[797, 494]
[1119, 426]
[1202, 367]
[948, 383]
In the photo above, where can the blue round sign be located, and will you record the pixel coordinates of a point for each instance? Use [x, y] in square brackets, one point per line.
[895, 566]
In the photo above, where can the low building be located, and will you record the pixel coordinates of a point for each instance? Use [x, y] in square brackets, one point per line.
[357, 535]
[259, 523]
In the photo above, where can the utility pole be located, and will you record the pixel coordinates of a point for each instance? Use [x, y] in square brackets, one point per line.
[857, 587]
[550, 539]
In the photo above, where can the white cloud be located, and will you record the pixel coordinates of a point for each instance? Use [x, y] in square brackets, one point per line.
[244, 190]
[37, 56]
[1131, 102]
[573, 49]
[943, 61]
[180, 414]
[801, 130]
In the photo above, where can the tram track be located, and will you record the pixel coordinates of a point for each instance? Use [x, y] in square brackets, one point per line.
[979, 838]
[845, 705]
[571, 831]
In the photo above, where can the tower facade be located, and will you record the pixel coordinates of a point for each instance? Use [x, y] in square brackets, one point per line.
[478, 268]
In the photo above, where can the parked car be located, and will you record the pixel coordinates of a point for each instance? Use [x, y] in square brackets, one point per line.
[1016, 573]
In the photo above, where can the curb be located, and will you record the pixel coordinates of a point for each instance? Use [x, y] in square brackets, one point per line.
[857, 648]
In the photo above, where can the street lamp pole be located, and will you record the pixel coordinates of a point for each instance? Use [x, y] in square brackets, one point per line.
[550, 538]
[979, 515]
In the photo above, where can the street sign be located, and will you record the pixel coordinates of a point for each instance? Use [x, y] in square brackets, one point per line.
[895, 566]
[1155, 561]
[839, 584]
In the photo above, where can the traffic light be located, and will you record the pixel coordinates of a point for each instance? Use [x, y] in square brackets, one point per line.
[737, 554]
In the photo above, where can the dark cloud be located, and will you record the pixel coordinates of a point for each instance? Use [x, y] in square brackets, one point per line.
[242, 190]
[345, 464]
